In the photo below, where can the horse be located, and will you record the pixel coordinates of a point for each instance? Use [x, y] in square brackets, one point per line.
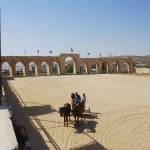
[65, 111]
[77, 110]
[80, 104]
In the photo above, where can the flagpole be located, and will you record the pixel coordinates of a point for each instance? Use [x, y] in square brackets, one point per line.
[0, 63]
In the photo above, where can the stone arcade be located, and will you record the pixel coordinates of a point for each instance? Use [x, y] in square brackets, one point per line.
[101, 65]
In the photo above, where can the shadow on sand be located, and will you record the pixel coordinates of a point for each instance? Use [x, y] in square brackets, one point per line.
[23, 114]
[87, 125]
[91, 146]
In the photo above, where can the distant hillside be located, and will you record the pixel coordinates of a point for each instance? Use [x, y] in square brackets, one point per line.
[140, 61]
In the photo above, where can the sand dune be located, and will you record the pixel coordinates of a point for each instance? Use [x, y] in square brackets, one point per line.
[119, 119]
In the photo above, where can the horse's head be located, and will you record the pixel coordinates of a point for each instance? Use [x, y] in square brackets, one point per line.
[67, 105]
[61, 111]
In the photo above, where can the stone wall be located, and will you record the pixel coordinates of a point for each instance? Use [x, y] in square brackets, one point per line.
[102, 65]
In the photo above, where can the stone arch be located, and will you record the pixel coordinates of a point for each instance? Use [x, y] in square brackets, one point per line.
[94, 68]
[125, 67]
[32, 68]
[55, 68]
[101, 63]
[6, 69]
[19, 69]
[115, 67]
[104, 68]
[44, 68]
[70, 67]
[83, 68]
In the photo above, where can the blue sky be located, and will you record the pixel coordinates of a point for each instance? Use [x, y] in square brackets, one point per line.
[94, 26]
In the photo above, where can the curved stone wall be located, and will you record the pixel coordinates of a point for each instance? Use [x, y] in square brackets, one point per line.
[102, 65]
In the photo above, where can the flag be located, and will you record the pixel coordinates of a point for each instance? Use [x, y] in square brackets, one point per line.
[100, 54]
[88, 53]
[50, 52]
[38, 51]
[71, 50]
[25, 51]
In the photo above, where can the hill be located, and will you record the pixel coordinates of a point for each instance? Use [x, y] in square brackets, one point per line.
[140, 61]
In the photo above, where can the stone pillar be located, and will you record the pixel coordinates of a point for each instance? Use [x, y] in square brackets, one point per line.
[48, 69]
[37, 69]
[120, 67]
[110, 67]
[13, 70]
[130, 67]
[99, 68]
[23, 71]
[62, 68]
[88, 68]
[10, 70]
[26, 69]
[77, 67]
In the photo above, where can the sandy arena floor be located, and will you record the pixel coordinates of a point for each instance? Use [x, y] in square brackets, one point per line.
[119, 104]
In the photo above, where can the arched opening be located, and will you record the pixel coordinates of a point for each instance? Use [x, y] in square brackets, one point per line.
[115, 67]
[83, 68]
[125, 67]
[94, 68]
[104, 67]
[43, 68]
[69, 66]
[55, 68]
[32, 70]
[19, 70]
[6, 69]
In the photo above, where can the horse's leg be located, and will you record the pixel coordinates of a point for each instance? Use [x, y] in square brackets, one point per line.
[67, 120]
[75, 120]
[64, 120]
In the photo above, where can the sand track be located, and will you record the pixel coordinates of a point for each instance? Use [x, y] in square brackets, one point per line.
[120, 106]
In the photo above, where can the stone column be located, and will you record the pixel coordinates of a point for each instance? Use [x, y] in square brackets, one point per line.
[130, 67]
[13, 70]
[88, 68]
[110, 67]
[10, 70]
[37, 69]
[47, 69]
[77, 67]
[99, 68]
[26, 69]
[62, 68]
[50, 68]
[120, 67]
[23, 71]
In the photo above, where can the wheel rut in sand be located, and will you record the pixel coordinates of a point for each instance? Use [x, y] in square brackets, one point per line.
[129, 129]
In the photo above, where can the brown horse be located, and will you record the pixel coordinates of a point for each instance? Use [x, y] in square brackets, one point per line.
[65, 111]
[77, 110]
